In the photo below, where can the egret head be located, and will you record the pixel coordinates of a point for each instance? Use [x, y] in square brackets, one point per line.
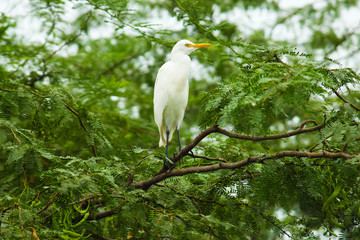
[187, 47]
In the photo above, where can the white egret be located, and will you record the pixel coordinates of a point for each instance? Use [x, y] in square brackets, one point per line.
[171, 91]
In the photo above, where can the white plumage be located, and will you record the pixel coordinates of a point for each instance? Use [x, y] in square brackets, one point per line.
[171, 90]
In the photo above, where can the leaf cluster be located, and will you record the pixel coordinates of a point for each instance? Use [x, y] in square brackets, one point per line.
[77, 132]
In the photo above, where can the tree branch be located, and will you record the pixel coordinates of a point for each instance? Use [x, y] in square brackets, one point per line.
[145, 184]
[345, 101]
[71, 40]
[99, 215]
[121, 62]
[266, 218]
[48, 203]
[298, 131]
[207, 158]
[103, 214]
[71, 109]
[96, 236]
[216, 129]
[15, 135]
[197, 205]
[191, 196]
[44, 73]
[343, 39]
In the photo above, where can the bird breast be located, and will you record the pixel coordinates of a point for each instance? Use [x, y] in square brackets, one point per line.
[180, 68]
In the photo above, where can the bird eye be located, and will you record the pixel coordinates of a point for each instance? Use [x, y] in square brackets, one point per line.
[187, 44]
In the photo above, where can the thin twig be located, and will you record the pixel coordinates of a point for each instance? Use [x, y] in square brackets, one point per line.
[93, 148]
[202, 29]
[323, 142]
[197, 205]
[343, 39]
[207, 158]
[69, 40]
[204, 200]
[96, 236]
[48, 203]
[121, 62]
[266, 218]
[85, 199]
[345, 101]
[302, 125]
[15, 136]
[191, 196]
[39, 193]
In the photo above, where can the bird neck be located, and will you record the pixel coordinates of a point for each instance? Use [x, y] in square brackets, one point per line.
[180, 58]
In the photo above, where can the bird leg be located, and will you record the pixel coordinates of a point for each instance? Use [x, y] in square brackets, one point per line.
[178, 133]
[167, 144]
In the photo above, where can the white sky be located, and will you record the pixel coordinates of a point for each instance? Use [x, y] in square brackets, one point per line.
[30, 28]
[249, 20]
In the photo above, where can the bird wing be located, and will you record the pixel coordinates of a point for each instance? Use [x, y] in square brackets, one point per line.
[161, 96]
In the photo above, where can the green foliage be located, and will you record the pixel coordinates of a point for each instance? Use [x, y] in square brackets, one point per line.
[77, 129]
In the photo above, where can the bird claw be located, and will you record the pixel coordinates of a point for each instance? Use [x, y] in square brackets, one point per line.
[168, 160]
[181, 158]
[192, 154]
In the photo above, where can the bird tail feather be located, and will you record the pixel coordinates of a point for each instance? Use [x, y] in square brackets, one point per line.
[162, 142]
[162, 130]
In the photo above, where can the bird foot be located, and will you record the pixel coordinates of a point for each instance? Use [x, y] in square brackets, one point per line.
[168, 161]
[181, 158]
[192, 154]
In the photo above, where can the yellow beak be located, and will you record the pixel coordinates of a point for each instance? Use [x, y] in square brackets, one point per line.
[200, 45]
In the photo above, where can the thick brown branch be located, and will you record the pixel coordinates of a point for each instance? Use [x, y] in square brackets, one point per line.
[216, 129]
[298, 131]
[145, 184]
[345, 101]
[103, 214]
[190, 146]
[99, 215]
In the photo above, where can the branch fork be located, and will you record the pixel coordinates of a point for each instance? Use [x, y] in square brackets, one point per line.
[167, 172]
